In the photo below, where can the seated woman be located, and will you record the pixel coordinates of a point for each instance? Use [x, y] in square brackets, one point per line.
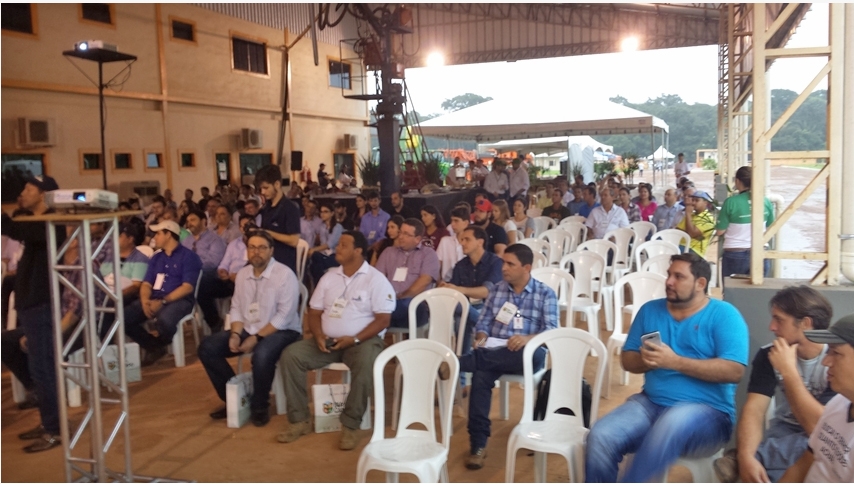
[646, 202]
[322, 257]
[625, 201]
[521, 219]
[501, 217]
[391, 232]
[434, 226]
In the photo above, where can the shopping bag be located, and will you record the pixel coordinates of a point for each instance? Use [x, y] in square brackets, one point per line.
[238, 392]
[329, 402]
[133, 370]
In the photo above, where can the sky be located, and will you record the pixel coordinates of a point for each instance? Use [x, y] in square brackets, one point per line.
[690, 72]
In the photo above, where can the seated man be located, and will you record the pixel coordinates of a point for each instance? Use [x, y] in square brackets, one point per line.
[701, 224]
[588, 195]
[828, 457]
[224, 226]
[606, 217]
[264, 320]
[517, 309]
[411, 268]
[556, 211]
[474, 276]
[792, 365]
[692, 351]
[347, 323]
[497, 236]
[310, 225]
[166, 294]
[373, 223]
[668, 214]
[577, 200]
[450, 251]
[132, 269]
[205, 243]
[397, 207]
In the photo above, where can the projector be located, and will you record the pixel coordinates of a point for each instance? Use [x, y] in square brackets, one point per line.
[85, 45]
[86, 199]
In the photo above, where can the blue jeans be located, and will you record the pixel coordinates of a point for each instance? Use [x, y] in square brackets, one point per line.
[782, 446]
[471, 321]
[265, 356]
[739, 263]
[166, 322]
[400, 315]
[37, 323]
[486, 366]
[657, 435]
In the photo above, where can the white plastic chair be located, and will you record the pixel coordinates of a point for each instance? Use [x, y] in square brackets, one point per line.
[557, 433]
[302, 258]
[642, 230]
[578, 230]
[541, 224]
[588, 268]
[539, 260]
[622, 262]
[701, 468]
[443, 303]
[573, 218]
[676, 237]
[563, 284]
[606, 285]
[658, 264]
[193, 318]
[413, 450]
[648, 250]
[145, 249]
[645, 286]
[278, 389]
[538, 245]
[560, 242]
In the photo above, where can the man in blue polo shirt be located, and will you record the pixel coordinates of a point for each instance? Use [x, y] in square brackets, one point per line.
[166, 294]
[589, 197]
[374, 221]
[474, 276]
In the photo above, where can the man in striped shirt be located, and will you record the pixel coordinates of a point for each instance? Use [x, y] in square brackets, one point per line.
[517, 309]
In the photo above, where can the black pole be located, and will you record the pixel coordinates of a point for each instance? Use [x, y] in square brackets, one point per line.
[101, 113]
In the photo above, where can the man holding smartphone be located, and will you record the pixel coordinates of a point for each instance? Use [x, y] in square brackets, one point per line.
[687, 406]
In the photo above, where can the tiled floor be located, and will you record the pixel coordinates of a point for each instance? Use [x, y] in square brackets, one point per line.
[173, 437]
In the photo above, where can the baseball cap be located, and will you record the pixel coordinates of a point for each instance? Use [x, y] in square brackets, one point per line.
[484, 205]
[169, 225]
[701, 194]
[43, 182]
[841, 332]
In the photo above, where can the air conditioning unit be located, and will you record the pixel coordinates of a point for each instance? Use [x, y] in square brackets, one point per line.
[351, 142]
[35, 132]
[251, 139]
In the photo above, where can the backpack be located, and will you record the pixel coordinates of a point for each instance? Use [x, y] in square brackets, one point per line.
[543, 400]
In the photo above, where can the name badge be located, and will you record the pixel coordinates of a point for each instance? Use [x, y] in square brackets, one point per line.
[461, 172]
[518, 321]
[506, 313]
[400, 274]
[254, 312]
[158, 281]
[337, 309]
[372, 234]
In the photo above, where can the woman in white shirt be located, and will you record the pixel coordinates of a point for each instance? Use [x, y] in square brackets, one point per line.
[521, 219]
[501, 217]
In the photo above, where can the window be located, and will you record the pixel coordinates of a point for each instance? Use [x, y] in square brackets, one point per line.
[188, 160]
[16, 168]
[153, 160]
[183, 30]
[18, 17]
[250, 163]
[97, 12]
[249, 56]
[122, 161]
[339, 74]
[91, 161]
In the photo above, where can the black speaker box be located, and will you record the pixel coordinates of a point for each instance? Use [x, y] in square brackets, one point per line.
[296, 160]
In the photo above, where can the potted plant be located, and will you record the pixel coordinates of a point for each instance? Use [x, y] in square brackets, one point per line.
[370, 172]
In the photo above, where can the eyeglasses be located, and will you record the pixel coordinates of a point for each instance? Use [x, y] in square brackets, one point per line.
[407, 234]
[256, 248]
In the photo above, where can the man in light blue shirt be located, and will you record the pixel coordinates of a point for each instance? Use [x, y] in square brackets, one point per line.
[374, 221]
[220, 284]
[311, 227]
[264, 320]
[206, 244]
[669, 214]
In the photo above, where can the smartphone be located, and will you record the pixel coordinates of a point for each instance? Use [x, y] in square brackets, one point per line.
[330, 342]
[653, 338]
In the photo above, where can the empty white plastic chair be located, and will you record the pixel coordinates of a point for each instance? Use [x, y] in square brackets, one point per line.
[413, 450]
[658, 264]
[302, 258]
[560, 242]
[563, 284]
[193, 318]
[539, 260]
[578, 231]
[676, 237]
[606, 286]
[642, 230]
[648, 250]
[622, 262]
[541, 224]
[557, 433]
[573, 218]
[588, 269]
[645, 287]
[538, 245]
[145, 249]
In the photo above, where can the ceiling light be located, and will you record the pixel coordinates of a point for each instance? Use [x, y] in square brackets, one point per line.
[435, 59]
[629, 44]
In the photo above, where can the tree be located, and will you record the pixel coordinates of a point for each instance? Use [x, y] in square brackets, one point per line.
[463, 101]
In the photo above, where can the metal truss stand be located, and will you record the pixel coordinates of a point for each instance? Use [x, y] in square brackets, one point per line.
[89, 463]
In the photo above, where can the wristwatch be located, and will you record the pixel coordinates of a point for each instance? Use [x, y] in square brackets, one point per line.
[356, 340]
[164, 301]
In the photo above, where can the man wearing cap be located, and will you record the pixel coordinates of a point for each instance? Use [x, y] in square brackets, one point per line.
[700, 225]
[497, 182]
[788, 370]
[166, 294]
[497, 240]
[32, 302]
[828, 457]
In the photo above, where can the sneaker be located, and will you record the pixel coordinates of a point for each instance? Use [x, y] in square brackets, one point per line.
[45, 442]
[294, 431]
[476, 458]
[349, 438]
[32, 434]
[726, 467]
[260, 418]
[220, 414]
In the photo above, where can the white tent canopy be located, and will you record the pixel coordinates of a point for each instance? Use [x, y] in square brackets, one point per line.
[550, 145]
[541, 115]
[661, 154]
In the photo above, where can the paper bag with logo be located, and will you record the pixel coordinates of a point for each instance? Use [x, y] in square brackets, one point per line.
[132, 363]
[328, 404]
[238, 392]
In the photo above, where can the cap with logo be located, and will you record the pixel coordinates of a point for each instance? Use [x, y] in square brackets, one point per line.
[169, 225]
[840, 333]
[483, 205]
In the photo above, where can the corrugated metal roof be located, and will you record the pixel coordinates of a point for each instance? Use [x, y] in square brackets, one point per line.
[292, 16]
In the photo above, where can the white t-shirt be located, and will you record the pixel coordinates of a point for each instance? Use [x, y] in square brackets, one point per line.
[831, 442]
[680, 168]
[371, 294]
[450, 252]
